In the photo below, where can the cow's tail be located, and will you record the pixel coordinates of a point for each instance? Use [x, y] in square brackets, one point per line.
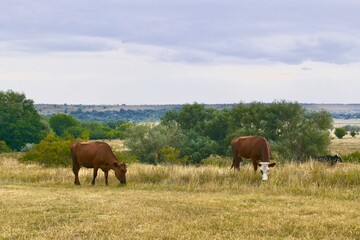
[73, 149]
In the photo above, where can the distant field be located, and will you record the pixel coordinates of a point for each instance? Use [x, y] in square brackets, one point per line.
[348, 144]
[343, 122]
[301, 201]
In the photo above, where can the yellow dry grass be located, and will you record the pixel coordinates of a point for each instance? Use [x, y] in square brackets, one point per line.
[345, 145]
[301, 201]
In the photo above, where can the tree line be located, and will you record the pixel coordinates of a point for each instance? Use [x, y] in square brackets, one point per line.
[187, 135]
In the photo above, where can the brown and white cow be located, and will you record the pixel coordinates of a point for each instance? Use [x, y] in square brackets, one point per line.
[255, 148]
[96, 155]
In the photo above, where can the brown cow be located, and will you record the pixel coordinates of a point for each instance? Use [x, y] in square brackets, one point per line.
[96, 155]
[255, 148]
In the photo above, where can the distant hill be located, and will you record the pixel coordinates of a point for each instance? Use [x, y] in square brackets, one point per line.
[140, 113]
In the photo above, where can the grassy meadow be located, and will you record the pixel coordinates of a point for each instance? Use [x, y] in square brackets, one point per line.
[300, 201]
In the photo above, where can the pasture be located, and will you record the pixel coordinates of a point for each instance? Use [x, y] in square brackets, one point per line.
[301, 201]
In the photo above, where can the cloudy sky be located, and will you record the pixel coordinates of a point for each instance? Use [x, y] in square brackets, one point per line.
[174, 52]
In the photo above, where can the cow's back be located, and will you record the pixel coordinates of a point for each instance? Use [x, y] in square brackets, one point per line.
[252, 146]
[89, 154]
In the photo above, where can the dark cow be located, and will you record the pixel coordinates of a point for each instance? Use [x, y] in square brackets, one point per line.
[255, 148]
[96, 155]
[329, 159]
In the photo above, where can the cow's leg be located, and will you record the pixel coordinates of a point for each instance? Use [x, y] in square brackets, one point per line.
[255, 164]
[76, 168]
[236, 163]
[106, 177]
[95, 175]
[233, 163]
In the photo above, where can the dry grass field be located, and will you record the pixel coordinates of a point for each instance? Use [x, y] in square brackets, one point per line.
[348, 144]
[301, 201]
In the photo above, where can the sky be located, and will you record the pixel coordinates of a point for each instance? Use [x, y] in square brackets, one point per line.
[175, 52]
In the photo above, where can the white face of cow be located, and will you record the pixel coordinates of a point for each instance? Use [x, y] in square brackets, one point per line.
[265, 169]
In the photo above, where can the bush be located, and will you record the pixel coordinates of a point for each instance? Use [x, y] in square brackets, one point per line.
[126, 157]
[146, 140]
[197, 147]
[340, 132]
[353, 133]
[171, 155]
[52, 151]
[352, 157]
[4, 148]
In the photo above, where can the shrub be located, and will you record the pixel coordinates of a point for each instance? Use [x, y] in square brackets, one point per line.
[126, 157]
[171, 155]
[146, 140]
[3, 147]
[197, 147]
[353, 133]
[352, 157]
[52, 151]
[340, 132]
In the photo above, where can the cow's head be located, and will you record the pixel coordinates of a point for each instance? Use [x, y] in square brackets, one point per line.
[265, 169]
[120, 171]
[338, 158]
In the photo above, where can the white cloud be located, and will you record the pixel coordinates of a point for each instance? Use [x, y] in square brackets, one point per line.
[174, 52]
[120, 77]
[277, 30]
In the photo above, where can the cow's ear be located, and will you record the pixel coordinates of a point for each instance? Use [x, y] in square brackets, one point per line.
[116, 164]
[272, 164]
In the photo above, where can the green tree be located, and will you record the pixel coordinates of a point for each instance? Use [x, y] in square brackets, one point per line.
[118, 129]
[205, 130]
[170, 116]
[76, 132]
[96, 130]
[197, 147]
[217, 128]
[146, 141]
[291, 130]
[340, 132]
[20, 123]
[61, 122]
[193, 116]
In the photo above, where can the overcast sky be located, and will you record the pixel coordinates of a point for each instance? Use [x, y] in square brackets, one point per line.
[174, 52]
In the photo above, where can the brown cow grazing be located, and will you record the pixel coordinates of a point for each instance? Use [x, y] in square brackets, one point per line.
[255, 148]
[96, 155]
